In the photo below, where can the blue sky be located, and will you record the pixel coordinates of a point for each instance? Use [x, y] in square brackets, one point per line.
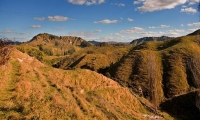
[100, 20]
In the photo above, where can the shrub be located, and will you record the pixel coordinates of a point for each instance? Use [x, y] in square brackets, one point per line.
[36, 53]
[5, 50]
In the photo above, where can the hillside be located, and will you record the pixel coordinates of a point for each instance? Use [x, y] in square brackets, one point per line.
[50, 48]
[57, 41]
[148, 39]
[94, 58]
[56, 45]
[96, 43]
[31, 90]
[162, 72]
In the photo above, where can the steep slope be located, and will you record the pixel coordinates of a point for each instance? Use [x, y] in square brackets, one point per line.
[94, 58]
[32, 90]
[162, 70]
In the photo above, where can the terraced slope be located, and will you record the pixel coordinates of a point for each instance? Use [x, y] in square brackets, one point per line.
[32, 90]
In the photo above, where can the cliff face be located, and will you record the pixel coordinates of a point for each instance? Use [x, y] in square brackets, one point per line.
[161, 70]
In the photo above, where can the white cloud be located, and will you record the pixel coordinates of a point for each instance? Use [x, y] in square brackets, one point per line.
[57, 18]
[191, 2]
[60, 28]
[8, 32]
[177, 30]
[35, 26]
[181, 25]
[138, 1]
[87, 2]
[117, 35]
[153, 27]
[174, 32]
[161, 26]
[194, 24]
[134, 30]
[106, 21]
[13, 32]
[188, 10]
[192, 30]
[164, 26]
[40, 19]
[153, 5]
[85, 34]
[130, 20]
[119, 4]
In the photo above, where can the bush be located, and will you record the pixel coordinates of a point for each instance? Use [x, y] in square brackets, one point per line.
[5, 50]
[36, 53]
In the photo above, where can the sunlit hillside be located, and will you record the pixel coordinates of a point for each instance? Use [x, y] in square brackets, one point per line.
[32, 90]
[164, 70]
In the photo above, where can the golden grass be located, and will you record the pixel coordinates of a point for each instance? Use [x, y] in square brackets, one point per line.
[160, 68]
[42, 92]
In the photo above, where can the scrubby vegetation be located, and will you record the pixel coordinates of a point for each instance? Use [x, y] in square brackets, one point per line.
[5, 50]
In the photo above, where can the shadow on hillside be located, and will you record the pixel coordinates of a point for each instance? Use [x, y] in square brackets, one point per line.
[76, 62]
[184, 106]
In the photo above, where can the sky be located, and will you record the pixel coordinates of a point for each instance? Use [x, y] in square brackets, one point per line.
[99, 20]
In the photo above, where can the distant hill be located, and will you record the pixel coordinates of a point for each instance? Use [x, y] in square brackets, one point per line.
[164, 72]
[147, 39]
[94, 42]
[31, 90]
[114, 43]
[50, 49]
[57, 41]
[6, 40]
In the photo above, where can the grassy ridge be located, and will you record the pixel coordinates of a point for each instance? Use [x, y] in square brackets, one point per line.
[161, 69]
